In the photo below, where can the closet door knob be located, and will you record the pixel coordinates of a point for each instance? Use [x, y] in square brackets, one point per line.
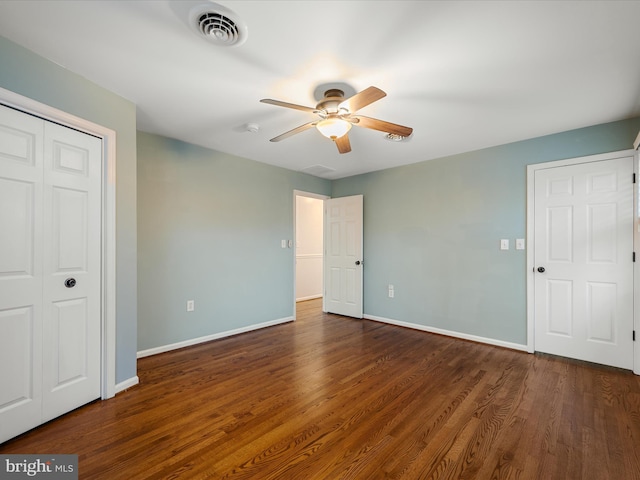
[70, 282]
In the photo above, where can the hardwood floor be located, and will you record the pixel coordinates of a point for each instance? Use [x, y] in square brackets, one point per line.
[328, 397]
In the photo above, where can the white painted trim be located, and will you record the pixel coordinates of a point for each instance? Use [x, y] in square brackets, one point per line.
[130, 382]
[530, 258]
[300, 193]
[305, 256]
[636, 267]
[108, 136]
[531, 169]
[310, 297]
[214, 336]
[449, 333]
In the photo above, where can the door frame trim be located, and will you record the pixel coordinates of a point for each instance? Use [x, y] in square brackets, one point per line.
[531, 169]
[319, 196]
[108, 227]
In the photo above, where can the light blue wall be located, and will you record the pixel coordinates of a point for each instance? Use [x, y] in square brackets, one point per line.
[432, 230]
[30, 75]
[210, 227]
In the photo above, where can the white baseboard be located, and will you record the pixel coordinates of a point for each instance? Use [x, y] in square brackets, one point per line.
[208, 338]
[310, 297]
[449, 333]
[130, 382]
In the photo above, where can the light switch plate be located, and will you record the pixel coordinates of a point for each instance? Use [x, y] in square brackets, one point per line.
[519, 243]
[504, 244]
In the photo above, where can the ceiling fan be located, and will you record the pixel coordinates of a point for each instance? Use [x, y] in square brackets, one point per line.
[338, 114]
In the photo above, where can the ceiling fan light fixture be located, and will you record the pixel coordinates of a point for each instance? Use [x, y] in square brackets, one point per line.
[333, 127]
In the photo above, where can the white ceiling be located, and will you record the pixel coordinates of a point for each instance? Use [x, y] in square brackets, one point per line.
[464, 74]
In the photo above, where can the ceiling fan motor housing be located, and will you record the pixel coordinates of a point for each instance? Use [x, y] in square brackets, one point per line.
[331, 101]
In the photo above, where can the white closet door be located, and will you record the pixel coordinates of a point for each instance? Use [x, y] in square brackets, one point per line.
[50, 270]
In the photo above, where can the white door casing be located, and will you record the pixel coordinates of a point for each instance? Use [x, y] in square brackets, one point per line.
[343, 243]
[636, 266]
[108, 238]
[50, 212]
[308, 244]
[580, 288]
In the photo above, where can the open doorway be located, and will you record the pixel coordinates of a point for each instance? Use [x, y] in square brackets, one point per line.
[309, 249]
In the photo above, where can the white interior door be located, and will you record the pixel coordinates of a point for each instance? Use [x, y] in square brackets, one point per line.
[583, 261]
[50, 260]
[343, 256]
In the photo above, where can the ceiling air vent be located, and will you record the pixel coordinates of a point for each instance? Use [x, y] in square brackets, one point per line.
[318, 170]
[218, 25]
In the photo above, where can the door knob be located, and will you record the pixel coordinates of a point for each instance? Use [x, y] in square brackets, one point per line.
[358, 262]
[541, 269]
[70, 282]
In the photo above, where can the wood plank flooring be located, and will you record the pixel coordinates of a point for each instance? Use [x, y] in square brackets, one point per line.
[328, 397]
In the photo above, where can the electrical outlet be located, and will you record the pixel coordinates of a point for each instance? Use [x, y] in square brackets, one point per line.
[191, 305]
[391, 291]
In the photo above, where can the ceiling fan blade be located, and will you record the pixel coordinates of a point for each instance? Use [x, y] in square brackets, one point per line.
[288, 105]
[290, 133]
[362, 99]
[343, 143]
[382, 126]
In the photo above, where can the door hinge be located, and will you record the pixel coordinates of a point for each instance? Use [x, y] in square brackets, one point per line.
[634, 178]
[634, 256]
[634, 335]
